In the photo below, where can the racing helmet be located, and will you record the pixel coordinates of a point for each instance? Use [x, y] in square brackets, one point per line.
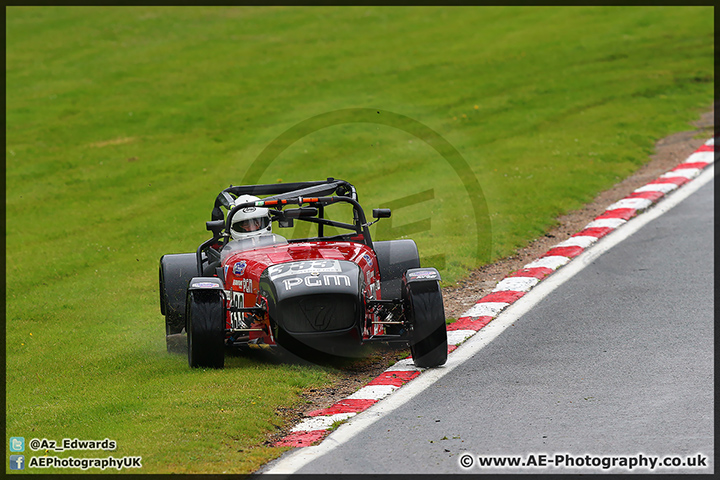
[250, 221]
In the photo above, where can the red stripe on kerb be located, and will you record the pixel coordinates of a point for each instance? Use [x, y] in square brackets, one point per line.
[348, 405]
[623, 213]
[683, 166]
[570, 252]
[467, 323]
[706, 148]
[301, 439]
[536, 272]
[652, 196]
[396, 378]
[507, 296]
[676, 180]
[594, 232]
[451, 348]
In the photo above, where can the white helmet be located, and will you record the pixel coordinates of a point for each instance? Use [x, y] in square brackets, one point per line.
[250, 221]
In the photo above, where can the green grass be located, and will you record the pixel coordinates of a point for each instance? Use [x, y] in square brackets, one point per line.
[122, 124]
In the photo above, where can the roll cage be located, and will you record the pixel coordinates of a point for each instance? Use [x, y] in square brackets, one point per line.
[315, 195]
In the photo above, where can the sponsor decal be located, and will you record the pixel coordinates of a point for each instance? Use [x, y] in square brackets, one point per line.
[239, 267]
[423, 275]
[368, 259]
[205, 285]
[317, 281]
[245, 284]
[227, 267]
[304, 267]
[248, 209]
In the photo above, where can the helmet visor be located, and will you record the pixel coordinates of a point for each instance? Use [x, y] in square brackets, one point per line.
[251, 225]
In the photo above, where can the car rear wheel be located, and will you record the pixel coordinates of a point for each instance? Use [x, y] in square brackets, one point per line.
[428, 342]
[205, 329]
[176, 270]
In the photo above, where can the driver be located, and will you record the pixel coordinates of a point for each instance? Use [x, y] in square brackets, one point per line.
[250, 221]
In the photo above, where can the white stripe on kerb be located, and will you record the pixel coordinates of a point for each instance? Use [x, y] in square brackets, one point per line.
[485, 309]
[373, 392]
[606, 222]
[708, 157]
[456, 337]
[636, 203]
[553, 262]
[682, 172]
[516, 284]
[404, 365]
[657, 187]
[583, 241]
[320, 423]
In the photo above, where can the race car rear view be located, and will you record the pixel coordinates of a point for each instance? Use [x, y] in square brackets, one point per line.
[248, 287]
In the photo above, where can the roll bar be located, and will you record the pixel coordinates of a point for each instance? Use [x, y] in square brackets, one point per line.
[280, 191]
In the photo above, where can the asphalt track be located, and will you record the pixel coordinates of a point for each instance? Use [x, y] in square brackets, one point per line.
[617, 362]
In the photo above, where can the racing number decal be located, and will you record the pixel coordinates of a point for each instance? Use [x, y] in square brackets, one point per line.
[307, 266]
[238, 301]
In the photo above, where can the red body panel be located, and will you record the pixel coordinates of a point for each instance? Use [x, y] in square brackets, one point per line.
[242, 271]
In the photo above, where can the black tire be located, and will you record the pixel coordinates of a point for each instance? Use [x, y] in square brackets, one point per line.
[205, 329]
[176, 270]
[394, 258]
[428, 343]
[174, 322]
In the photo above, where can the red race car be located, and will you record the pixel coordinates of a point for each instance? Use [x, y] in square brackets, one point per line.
[250, 287]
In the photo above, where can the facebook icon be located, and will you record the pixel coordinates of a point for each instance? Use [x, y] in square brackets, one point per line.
[17, 462]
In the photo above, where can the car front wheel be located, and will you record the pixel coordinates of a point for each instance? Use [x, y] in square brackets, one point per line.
[428, 342]
[205, 329]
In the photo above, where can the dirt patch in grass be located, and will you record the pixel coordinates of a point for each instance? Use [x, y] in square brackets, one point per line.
[670, 152]
[115, 141]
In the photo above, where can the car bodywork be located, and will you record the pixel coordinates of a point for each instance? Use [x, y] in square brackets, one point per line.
[324, 293]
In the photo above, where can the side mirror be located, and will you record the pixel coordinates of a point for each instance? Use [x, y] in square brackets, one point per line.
[215, 226]
[381, 213]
